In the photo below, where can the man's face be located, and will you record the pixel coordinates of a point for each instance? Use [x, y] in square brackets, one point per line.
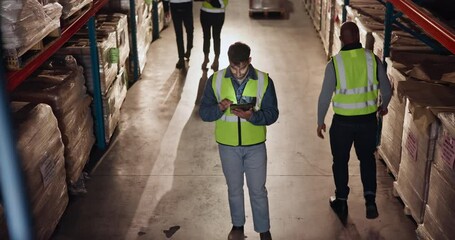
[240, 70]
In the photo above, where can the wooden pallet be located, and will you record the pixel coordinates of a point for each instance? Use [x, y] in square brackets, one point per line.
[267, 9]
[16, 59]
[396, 192]
[268, 14]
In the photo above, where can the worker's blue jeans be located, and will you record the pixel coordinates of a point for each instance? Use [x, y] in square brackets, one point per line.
[250, 161]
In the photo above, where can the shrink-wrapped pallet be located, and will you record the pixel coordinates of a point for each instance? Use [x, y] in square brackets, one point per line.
[440, 211]
[72, 6]
[400, 67]
[418, 141]
[112, 102]
[41, 152]
[119, 22]
[25, 22]
[63, 89]
[80, 49]
[392, 124]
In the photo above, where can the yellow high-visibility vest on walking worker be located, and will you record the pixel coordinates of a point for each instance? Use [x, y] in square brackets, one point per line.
[206, 6]
[230, 129]
[357, 84]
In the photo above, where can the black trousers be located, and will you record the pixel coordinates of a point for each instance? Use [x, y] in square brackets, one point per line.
[211, 21]
[182, 14]
[360, 131]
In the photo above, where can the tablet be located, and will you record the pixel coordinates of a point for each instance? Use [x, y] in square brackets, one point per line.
[243, 106]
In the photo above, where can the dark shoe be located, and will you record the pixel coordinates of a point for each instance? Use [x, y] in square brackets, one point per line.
[372, 210]
[340, 207]
[236, 233]
[214, 65]
[188, 54]
[265, 235]
[180, 64]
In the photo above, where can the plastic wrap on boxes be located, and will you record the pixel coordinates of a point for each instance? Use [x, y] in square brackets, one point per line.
[418, 141]
[71, 6]
[25, 22]
[80, 49]
[431, 229]
[144, 39]
[120, 23]
[440, 211]
[63, 89]
[112, 103]
[392, 124]
[40, 149]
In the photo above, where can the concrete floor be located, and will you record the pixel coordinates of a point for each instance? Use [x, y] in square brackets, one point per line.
[161, 177]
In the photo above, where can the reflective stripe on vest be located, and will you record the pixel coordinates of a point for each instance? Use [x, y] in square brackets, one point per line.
[230, 129]
[357, 88]
[207, 7]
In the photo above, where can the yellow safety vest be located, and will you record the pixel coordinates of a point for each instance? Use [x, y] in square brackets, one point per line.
[230, 129]
[357, 84]
[207, 7]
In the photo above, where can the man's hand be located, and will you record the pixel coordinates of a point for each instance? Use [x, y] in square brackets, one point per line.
[242, 114]
[320, 129]
[383, 111]
[224, 104]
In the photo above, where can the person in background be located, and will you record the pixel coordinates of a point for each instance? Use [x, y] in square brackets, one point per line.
[355, 76]
[182, 14]
[241, 134]
[212, 19]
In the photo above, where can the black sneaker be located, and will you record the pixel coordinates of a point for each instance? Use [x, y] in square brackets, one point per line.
[340, 207]
[180, 64]
[236, 233]
[265, 235]
[188, 54]
[371, 210]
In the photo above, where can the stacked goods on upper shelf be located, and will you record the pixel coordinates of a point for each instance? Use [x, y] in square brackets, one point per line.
[70, 7]
[399, 68]
[61, 86]
[144, 26]
[24, 24]
[439, 211]
[79, 47]
[118, 23]
[41, 153]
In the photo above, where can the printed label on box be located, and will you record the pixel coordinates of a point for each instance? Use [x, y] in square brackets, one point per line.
[448, 150]
[47, 170]
[411, 145]
[114, 54]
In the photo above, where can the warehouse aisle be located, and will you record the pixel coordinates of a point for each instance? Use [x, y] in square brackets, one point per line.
[161, 177]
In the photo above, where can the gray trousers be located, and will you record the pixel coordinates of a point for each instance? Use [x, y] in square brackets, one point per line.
[251, 162]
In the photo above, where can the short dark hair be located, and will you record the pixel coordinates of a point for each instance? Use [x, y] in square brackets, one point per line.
[239, 52]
